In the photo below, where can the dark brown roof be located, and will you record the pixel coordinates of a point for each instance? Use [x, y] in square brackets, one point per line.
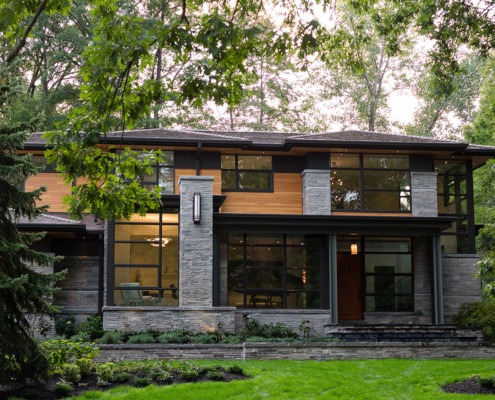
[280, 140]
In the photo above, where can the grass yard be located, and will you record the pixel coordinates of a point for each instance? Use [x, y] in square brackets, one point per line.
[284, 380]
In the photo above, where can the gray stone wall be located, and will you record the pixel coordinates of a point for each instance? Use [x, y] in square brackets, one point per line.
[196, 243]
[196, 319]
[316, 319]
[79, 289]
[42, 325]
[296, 351]
[460, 285]
[316, 192]
[424, 194]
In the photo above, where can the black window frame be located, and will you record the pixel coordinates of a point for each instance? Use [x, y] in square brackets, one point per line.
[157, 168]
[387, 274]
[362, 182]
[237, 171]
[284, 291]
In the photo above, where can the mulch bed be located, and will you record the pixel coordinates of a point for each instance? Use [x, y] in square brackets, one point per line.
[44, 390]
[469, 386]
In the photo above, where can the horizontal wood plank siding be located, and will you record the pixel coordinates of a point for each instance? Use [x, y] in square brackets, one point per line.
[285, 199]
[56, 189]
[217, 182]
[182, 172]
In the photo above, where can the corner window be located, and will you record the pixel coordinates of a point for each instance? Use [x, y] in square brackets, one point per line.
[452, 201]
[388, 274]
[370, 182]
[247, 173]
[274, 271]
[145, 260]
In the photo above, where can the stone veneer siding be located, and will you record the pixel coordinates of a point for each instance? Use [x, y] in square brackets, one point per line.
[79, 289]
[196, 243]
[296, 351]
[459, 282]
[424, 194]
[316, 192]
[42, 322]
[196, 319]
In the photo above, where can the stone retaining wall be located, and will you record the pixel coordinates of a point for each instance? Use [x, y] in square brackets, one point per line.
[295, 351]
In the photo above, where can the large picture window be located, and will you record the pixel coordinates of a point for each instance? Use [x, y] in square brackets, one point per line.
[388, 273]
[247, 173]
[146, 260]
[453, 201]
[277, 271]
[162, 175]
[370, 182]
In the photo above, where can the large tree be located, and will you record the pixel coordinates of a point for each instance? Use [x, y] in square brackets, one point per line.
[22, 290]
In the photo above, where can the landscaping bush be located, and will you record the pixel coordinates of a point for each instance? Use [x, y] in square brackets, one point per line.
[141, 338]
[479, 315]
[253, 329]
[142, 382]
[71, 373]
[85, 365]
[112, 337]
[60, 352]
[179, 336]
[215, 376]
[93, 327]
[235, 369]
[65, 326]
[63, 388]
[189, 375]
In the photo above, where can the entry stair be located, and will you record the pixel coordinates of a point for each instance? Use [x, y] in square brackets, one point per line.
[403, 333]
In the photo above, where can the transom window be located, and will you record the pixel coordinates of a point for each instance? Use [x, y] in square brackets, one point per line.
[388, 274]
[145, 260]
[452, 200]
[277, 271]
[371, 182]
[247, 173]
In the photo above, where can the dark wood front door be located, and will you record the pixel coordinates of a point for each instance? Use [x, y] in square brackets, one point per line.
[349, 286]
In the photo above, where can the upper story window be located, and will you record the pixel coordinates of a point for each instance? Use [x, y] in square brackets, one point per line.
[163, 174]
[40, 161]
[370, 182]
[453, 200]
[247, 173]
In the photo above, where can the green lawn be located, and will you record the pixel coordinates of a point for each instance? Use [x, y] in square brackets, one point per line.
[377, 379]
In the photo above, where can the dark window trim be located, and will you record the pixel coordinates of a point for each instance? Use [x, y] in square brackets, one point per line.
[363, 190]
[236, 170]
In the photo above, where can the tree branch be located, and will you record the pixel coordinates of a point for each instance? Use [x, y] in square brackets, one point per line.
[22, 42]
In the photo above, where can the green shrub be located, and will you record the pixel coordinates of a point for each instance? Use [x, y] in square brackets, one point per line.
[85, 365]
[105, 372]
[235, 369]
[71, 373]
[204, 338]
[122, 377]
[231, 339]
[66, 326]
[161, 376]
[253, 328]
[112, 337]
[93, 327]
[141, 338]
[63, 388]
[28, 393]
[215, 376]
[176, 337]
[60, 352]
[81, 337]
[142, 382]
[479, 315]
[189, 375]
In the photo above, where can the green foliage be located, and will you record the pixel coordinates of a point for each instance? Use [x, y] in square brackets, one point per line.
[486, 382]
[177, 336]
[122, 377]
[235, 369]
[65, 326]
[71, 373]
[85, 365]
[63, 388]
[253, 329]
[477, 316]
[189, 375]
[141, 338]
[93, 326]
[105, 372]
[60, 352]
[215, 376]
[112, 337]
[142, 382]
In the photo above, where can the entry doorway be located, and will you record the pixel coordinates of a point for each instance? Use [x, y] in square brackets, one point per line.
[350, 306]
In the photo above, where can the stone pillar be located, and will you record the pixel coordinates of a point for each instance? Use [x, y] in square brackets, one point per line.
[316, 192]
[424, 194]
[196, 243]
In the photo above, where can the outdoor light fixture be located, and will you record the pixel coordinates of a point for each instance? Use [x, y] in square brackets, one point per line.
[354, 248]
[197, 208]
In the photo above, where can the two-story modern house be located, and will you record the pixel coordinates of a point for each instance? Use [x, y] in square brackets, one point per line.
[329, 228]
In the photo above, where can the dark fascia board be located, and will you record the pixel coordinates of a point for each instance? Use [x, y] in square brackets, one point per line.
[404, 226]
[289, 143]
[176, 142]
[81, 228]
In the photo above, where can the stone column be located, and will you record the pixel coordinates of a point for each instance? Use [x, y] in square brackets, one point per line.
[196, 243]
[316, 192]
[424, 194]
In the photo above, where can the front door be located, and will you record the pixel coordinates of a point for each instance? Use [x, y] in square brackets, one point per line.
[349, 286]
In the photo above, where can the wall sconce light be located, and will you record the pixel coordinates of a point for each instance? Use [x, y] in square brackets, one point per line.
[354, 248]
[197, 208]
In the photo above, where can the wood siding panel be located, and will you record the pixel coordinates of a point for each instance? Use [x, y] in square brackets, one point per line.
[217, 182]
[56, 189]
[182, 172]
[285, 199]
